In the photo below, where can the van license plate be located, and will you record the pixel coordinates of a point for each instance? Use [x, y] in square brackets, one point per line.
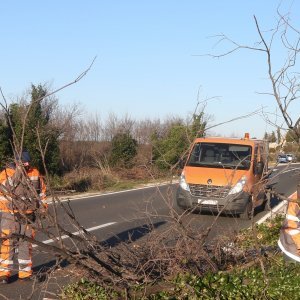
[209, 202]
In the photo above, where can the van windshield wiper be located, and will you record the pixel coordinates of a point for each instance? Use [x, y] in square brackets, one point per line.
[203, 164]
[217, 165]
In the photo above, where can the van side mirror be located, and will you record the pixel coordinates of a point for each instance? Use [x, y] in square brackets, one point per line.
[259, 168]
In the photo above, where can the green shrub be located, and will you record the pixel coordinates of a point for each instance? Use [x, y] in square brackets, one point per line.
[282, 282]
[86, 290]
[267, 234]
[124, 149]
[168, 149]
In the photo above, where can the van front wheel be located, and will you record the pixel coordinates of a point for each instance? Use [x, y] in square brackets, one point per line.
[246, 215]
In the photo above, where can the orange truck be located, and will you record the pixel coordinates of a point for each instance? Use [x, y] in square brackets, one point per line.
[224, 175]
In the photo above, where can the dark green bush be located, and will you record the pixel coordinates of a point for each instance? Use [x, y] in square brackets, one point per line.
[124, 149]
[282, 281]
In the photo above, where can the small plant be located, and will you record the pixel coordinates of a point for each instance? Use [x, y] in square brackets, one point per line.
[267, 234]
[124, 149]
[86, 290]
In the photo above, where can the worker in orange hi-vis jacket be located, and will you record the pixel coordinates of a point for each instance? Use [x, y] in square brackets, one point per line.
[22, 195]
[289, 240]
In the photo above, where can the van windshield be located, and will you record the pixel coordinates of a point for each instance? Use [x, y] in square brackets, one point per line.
[217, 155]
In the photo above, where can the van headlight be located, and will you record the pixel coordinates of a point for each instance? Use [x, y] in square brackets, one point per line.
[239, 186]
[183, 184]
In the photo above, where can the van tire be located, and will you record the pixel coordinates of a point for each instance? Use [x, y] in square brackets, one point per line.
[246, 215]
[182, 209]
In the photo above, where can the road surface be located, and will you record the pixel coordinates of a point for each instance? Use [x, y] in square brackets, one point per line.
[113, 217]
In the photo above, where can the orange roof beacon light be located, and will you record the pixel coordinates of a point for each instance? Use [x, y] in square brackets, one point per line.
[247, 136]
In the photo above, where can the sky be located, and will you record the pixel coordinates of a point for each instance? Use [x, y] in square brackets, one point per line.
[150, 57]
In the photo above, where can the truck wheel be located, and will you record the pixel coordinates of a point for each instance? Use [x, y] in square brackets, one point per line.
[246, 215]
[182, 209]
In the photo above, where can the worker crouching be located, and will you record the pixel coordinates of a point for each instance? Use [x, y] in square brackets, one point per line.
[289, 239]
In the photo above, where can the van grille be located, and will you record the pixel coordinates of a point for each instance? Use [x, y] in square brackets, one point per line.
[209, 191]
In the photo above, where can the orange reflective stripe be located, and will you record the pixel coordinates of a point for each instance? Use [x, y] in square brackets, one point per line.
[296, 239]
[5, 273]
[25, 266]
[3, 204]
[25, 274]
[293, 208]
[292, 224]
[5, 243]
[5, 232]
[5, 262]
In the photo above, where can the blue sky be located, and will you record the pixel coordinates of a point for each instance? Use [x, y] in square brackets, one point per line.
[149, 56]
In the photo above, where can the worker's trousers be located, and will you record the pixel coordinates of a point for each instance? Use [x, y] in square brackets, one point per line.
[9, 246]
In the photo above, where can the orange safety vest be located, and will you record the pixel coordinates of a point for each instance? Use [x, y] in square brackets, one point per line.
[289, 239]
[6, 200]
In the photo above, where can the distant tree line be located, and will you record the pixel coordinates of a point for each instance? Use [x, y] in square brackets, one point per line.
[72, 142]
[33, 129]
[290, 136]
[273, 137]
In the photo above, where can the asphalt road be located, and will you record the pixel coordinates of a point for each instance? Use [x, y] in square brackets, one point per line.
[114, 217]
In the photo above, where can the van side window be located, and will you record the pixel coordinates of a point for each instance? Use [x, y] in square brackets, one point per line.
[264, 155]
[255, 158]
[260, 154]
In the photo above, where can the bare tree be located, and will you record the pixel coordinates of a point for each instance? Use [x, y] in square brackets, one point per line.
[94, 128]
[283, 75]
[143, 130]
[115, 125]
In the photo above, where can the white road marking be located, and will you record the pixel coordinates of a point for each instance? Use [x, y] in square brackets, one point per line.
[289, 170]
[78, 232]
[50, 201]
[78, 197]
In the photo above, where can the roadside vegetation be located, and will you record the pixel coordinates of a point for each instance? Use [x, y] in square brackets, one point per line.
[247, 265]
[239, 276]
[84, 154]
